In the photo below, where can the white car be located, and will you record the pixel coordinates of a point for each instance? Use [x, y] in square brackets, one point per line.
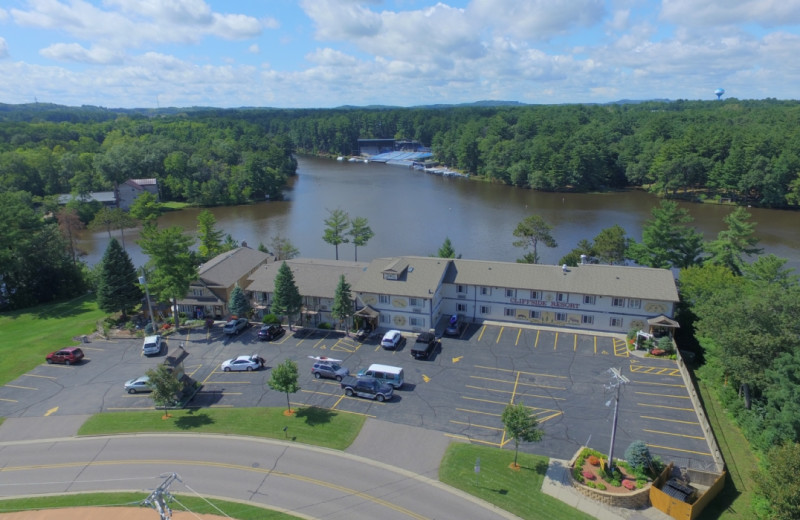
[392, 339]
[140, 384]
[243, 363]
[235, 326]
[152, 345]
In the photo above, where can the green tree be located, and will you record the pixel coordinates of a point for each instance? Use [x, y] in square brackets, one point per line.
[770, 269]
[283, 249]
[777, 482]
[111, 219]
[342, 302]
[284, 378]
[336, 227]
[165, 385]
[360, 232]
[173, 264]
[286, 299]
[667, 240]
[70, 225]
[447, 251]
[611, 244]
[735, 242]
[146, 207]
[530, 232]
[238, 304]
[117, 289]
[210, 238]
[521, 425]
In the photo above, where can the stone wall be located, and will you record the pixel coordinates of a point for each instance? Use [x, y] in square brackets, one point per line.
[638, 499]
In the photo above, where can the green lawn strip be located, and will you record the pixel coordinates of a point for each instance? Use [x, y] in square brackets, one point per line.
[194, 504]
[735, 500]
[516, 491]
[32, 333]
[309, 425]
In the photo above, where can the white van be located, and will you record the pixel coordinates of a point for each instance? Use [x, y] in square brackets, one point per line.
[385, 374]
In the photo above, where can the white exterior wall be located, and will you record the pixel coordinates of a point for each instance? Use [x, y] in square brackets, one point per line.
[403, 312]
[589, 312]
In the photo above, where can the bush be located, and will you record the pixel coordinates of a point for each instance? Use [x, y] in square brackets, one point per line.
[593, 460]
[270, 319]
[601, 486]
[588, 475]
[665, 344]
[324, 326]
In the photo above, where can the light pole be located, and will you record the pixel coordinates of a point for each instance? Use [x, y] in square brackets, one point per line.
[143, 281]
[619, 380]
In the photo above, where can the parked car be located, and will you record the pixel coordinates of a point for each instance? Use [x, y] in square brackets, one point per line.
[243, 363]
[152, 345]
[424, 346]
[235, 326]
[454, 325]
[368, 387]
[329, 370]
[270, 332]
[67, 356]
[140, 384]
[392, 339]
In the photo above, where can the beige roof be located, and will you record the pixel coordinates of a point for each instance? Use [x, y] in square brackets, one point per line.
[601, 280]
[313, 277]
[225, 269]
[417, 276]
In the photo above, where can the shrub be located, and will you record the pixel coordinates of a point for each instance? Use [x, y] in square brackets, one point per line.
[593, 460]
[588, 475]
[616, 482]
[629, 484]
[638, 456]
[270, 319]
[601, 487]
[592, 485]
[324, 326]
[665, 344]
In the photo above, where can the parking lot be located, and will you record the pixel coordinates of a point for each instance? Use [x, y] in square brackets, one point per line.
[562, 376]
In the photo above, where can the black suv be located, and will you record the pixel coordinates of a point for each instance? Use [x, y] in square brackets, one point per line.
[270, 332]
[424, 346]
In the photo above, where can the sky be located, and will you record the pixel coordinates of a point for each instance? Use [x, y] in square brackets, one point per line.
[329, 53]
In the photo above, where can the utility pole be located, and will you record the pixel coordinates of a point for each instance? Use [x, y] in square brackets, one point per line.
[158, 499]
[143, 281]
[617, 381]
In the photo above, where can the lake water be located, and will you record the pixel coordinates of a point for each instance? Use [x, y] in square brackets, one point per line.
[412, 213]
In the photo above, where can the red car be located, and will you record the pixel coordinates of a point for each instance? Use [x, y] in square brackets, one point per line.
[67, 356]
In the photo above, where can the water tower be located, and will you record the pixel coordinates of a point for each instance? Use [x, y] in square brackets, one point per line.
[719, 93]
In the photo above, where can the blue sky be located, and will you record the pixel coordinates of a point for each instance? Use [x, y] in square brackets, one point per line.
[327, 53]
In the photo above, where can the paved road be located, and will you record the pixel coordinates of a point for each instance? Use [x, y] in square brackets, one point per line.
[313, 482]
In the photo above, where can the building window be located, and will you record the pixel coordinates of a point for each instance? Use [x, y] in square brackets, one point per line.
[509, 293]
[590, 299]
[536, 295]
[562, 297]
[509, 312]
[484, 291]
[197, 292]
[485, 309]
[635, 303]
[414, 302]
[383, 298]
[461, 307]
[561, 316]
[618, 302]
[587, 320]
[385, 318]
[416, 322]
[535, 315]
[461, 289]
[616, 322]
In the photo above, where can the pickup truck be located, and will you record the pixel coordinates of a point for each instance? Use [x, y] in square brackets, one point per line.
[424, 346]
[368, 387]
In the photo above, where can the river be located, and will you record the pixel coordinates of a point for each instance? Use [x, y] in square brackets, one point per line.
[411, 213]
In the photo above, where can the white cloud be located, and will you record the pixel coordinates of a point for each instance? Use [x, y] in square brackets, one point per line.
[3, 48]
[710, 13]
[3, 15]
[536, 19]
[78, 53]
[254, 49]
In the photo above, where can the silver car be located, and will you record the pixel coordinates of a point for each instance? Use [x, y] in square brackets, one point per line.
[140, 384]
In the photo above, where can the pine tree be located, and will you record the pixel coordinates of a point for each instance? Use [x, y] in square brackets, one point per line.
[447, 251]
[209, 236]
[238, 304]
[286, 299]
[530, 232]
[116, 288]
[342, 302]
[335, 229]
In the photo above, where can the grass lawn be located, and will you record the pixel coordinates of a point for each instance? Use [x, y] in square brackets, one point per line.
[309, 425]
[181, 503]
[516, 491]
[32, 333]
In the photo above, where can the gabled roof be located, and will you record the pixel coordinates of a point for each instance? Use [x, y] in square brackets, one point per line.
[417, 276]
[601, 280]
[226, 269]
[313, 277]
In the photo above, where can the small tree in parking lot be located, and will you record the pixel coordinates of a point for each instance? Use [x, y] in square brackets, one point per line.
[521, 425]
[284, 379]
[165, 386]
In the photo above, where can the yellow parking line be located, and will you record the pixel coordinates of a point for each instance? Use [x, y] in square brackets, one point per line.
[667, 407]
[653, 383]
[9, 400]
[22, 387]
[470, 439]
[536, 343]
[514, 390]
[575, 343]
[500, 334]
[675, 434]
[503, 403]
[37, 375]
[227, 383]
[519, 334]
[477, 425]
[555, 341]
[667, 420]
[520, 371]
[509, 391]
[483, 329]
[595, 344]
[663, 395]
[677, 449]
[524, 384]
[478, 412]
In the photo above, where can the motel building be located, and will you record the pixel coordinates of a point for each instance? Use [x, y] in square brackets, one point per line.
[415, 294]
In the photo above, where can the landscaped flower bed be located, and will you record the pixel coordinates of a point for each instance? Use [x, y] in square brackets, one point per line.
[620, 488]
